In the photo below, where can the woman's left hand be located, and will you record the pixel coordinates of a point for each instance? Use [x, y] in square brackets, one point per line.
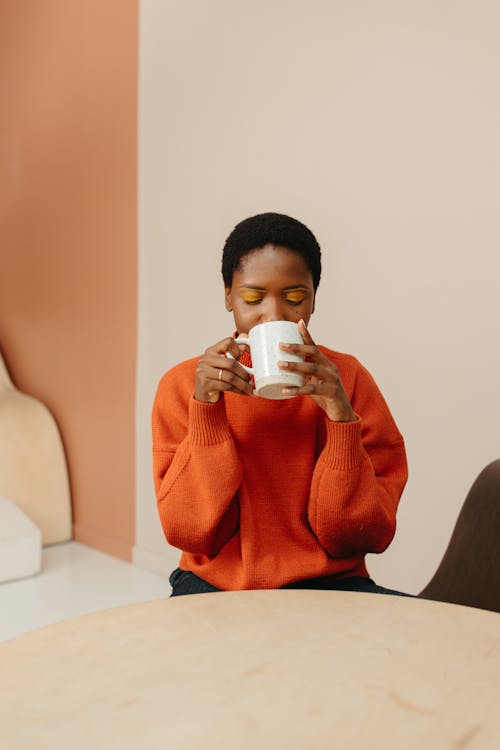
[321, 379]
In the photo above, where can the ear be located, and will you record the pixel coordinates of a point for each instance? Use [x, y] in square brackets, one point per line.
[229, 304]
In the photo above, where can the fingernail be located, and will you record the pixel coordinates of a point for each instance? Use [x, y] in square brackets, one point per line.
[282, 364]
[287, 390]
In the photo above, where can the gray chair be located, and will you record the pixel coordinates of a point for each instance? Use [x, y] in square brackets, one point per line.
[469, 572]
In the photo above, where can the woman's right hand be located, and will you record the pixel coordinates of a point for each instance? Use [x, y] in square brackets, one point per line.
[217, 373]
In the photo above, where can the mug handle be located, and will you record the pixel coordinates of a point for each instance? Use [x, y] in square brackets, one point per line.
[241, 340]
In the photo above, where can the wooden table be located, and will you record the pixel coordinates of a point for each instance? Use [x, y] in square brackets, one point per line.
[257, 669]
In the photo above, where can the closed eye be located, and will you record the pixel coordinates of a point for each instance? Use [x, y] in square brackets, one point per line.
[251, 297]
[295, 298]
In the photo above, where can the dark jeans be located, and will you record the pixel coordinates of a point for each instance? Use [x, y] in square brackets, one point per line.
[184, 582]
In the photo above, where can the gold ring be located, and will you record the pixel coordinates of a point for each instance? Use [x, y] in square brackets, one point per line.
[220, 374]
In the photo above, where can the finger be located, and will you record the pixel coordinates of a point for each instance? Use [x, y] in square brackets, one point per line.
[222, 375]
[211, 366]
[303, 350]
[310, 351]
[310, 389]
[228, 371]
[226, 345]
[229, 381]
[311, 369]
[224, 380]
[305, 333]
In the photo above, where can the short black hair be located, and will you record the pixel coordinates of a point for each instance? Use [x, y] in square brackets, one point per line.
[273, 229]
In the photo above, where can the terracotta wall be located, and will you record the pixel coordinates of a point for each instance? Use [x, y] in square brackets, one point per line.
[68, 97]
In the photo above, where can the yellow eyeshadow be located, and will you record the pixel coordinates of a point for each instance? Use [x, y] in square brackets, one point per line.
[295, 296]
[251, 295]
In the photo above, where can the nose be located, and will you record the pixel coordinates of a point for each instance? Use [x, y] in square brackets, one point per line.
[275, 309]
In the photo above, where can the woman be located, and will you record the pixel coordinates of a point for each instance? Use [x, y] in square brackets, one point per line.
[270, 494]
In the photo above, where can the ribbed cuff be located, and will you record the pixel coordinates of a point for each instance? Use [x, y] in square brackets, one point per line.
[208, 422]
[343, 448]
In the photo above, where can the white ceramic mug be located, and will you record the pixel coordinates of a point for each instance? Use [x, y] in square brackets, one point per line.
[264, 341]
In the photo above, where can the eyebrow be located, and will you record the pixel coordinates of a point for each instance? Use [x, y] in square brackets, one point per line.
[285, 289]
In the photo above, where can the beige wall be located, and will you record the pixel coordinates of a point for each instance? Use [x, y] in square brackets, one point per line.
[377, 124]
[68, 97]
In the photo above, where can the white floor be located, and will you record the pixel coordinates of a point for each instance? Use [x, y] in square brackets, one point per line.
[74, 580]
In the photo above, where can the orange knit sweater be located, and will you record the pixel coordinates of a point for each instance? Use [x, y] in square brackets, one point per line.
[260, 493]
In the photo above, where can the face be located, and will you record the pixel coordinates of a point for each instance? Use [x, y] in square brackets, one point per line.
[272, 283]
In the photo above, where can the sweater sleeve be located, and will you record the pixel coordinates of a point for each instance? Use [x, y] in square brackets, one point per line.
[196, 470]
[359, 476]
